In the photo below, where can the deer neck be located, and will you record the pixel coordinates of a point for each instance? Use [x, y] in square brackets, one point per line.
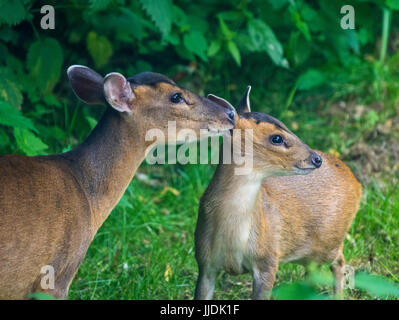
[240, 192]
[231, 200]
[106, 162]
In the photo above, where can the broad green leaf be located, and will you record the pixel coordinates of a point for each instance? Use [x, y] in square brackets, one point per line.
[10, 92]
[12, 117]
[52, 132]
[99, 48]
[129, 23]
[310, 79]
[225, 30]
[52, 101]
[195, 42]
[231, 46]
[161, 12]
[12, 12]
[263, 39]
[44, 62]
[300, 24]
[28, 142]
[376, 285]
[91, 121]
[179, 16]
[298, 291]
[173, 38]
[298, 49]
[214, 48]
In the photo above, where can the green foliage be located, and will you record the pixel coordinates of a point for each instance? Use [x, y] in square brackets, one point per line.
[28, 142]
[298, 42]
[160, 12]
[263, 39]
[44, 62]
[12, 12]
[232, 47]
[100, 48]
[309, 289]
[12, 117]
[9, 91]
[310, 79]
[196, 43]
[377, 286]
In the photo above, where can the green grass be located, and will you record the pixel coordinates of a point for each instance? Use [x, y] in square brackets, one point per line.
[150, 233]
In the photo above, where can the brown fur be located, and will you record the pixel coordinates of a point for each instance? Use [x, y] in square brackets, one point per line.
[252, 223]
[52, 206]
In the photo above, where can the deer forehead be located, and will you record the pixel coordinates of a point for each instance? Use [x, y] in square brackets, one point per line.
[260, 129]
[156, 90]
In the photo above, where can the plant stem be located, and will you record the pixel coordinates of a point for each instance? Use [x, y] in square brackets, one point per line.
[386, 22]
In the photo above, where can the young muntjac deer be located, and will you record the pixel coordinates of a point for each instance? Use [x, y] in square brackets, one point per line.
[52, 206]
[275, 214]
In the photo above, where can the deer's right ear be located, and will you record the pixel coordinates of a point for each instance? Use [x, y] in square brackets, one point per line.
[118, 92]
[86, 84]
[244, 105]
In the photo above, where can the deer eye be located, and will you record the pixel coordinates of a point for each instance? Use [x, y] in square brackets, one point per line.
[176, 98]
[276, 139]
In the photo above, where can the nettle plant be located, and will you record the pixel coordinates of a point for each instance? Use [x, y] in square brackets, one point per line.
[216, 45]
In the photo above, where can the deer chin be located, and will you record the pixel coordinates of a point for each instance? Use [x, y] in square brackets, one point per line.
[217, 130]
[303, 171]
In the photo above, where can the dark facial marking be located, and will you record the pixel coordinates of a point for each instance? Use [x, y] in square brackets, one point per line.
[262, 117]
[149, 79]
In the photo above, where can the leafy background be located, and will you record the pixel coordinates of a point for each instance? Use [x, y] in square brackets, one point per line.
[337, 89]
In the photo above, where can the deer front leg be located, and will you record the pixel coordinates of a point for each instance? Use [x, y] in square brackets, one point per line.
[263, 280]
[205, 283]
[338, 269]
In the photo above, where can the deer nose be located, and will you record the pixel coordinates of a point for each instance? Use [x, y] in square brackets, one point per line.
[231, 116]
[317, 160]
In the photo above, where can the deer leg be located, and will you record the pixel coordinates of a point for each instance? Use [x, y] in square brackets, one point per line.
[338, 269]
[263, 281]
[205, 283]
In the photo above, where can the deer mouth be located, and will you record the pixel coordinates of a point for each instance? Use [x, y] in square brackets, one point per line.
[305, 170]
[217, 129]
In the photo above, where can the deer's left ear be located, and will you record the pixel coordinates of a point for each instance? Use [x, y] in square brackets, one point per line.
[244, 105]
[118, 92]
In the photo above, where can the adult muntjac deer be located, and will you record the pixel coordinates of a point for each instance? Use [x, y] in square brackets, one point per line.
[52, 206]
[275, 214]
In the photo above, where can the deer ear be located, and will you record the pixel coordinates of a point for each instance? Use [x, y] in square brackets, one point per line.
[244, 105]
[220, 101]
[118, 92]
[86, 84]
